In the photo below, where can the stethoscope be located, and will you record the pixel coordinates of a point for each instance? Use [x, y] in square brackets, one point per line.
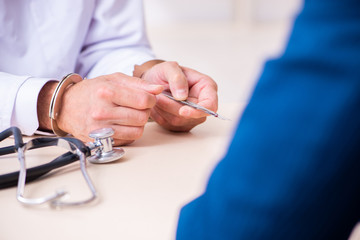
[101, 150]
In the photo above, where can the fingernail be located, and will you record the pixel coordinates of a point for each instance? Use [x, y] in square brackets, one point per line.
[181, 94]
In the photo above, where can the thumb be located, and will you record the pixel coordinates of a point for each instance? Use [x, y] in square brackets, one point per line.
[171, 75]
[177, 80]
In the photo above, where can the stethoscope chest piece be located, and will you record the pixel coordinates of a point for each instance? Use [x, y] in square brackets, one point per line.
[104, 151]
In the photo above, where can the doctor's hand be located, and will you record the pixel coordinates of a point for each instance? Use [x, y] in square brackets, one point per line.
[184, 83]
[116, 100]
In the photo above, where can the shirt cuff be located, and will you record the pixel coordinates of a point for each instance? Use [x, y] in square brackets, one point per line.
[24, 115]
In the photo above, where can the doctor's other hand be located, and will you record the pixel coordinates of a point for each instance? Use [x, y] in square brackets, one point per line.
[116, 100]
[183, 83]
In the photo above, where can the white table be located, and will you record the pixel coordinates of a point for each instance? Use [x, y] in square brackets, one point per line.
[139, 196]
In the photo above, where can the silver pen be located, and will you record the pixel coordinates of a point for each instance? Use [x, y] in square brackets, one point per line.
[194, 105]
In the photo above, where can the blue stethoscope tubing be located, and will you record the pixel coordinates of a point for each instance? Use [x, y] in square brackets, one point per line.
[11, 179]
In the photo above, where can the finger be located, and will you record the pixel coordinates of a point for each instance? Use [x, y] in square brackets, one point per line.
[128, 133]
[134, 82]
[178, 109]
[120, 142]
[200, 83]
[156, 115]
[207, 97]
[168, 105]
[177, 80]
[205, 100]
[202, 88]
[177, 122]
[189, 112]
[195, 77]
[122, 116]
[134, 98]
[127, 96]
[169, 117]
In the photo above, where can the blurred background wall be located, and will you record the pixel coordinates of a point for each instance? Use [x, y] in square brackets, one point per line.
[175, 11]
[228, 40]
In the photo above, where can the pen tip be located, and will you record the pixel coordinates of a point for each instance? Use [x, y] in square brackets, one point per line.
[223, 118]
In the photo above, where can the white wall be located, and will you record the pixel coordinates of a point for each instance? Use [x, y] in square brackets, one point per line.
[175, 11]
[228, 40]
[275, 10]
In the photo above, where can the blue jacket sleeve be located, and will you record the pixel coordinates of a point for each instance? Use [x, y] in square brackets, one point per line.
[292, 170]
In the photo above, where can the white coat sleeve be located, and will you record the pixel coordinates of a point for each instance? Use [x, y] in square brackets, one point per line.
[19, 108]
[116, 39]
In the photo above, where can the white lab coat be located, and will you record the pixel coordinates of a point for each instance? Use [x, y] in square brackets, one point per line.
[43, 40]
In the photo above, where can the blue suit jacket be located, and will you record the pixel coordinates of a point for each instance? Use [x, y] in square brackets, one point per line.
[293, 168]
